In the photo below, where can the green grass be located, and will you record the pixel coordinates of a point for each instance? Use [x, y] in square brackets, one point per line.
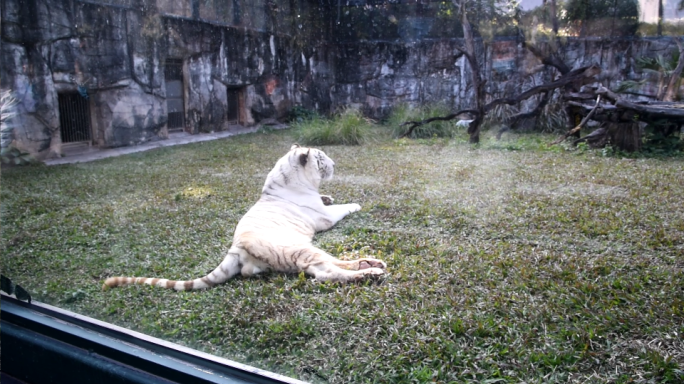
[508, 262]
[349, 127]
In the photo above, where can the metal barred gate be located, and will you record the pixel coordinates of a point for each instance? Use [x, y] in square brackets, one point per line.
[173, 73]
[74, 118]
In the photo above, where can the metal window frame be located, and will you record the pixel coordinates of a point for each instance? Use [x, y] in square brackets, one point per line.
[46, 344]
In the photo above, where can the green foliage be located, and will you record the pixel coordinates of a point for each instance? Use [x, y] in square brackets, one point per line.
[658, 141]
[509, 262]
[403, 113]
[299, 114]
[346, 128]
[601, 17]
[498, 116]
[13, 156]
[657, 68]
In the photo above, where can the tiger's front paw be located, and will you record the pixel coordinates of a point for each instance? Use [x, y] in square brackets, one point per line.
[371, 263]
[327, 200]
[369, 273]
[354, 207]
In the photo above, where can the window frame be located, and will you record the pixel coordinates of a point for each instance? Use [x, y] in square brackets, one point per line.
[42, 343]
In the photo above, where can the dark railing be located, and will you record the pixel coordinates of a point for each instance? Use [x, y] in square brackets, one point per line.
[74, 117]
[173, 74]
[45, 344]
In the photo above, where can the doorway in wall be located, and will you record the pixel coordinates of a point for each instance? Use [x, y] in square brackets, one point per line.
[173, 76]
[74, 118]
[235, 103]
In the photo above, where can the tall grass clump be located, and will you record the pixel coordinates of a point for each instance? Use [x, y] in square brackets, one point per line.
[552, 118]
[346, 128]
[403, 113]
[498, 116]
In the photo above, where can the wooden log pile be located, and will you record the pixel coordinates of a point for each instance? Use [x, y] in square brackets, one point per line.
[619, 118]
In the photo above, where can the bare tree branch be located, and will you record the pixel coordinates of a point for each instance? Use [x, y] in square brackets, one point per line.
[572, 77]
[551, 59]
[670, 111]
[579, 75]
[581, 124]
[510, 122]
[415, 124]
[674, 77]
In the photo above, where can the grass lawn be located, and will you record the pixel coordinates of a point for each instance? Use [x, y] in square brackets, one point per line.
[508, 262]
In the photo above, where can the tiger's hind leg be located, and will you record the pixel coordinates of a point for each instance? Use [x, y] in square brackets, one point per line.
[325, 267]
[329, 272]
[358, 264]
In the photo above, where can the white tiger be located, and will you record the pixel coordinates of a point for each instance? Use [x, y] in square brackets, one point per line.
[276, 233]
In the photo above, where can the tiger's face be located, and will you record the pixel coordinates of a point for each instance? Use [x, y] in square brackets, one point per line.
[316, 160]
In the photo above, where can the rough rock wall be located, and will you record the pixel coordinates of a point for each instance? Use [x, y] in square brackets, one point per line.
[117, 54]
[51, 47]
[377, 75]
[26, 72]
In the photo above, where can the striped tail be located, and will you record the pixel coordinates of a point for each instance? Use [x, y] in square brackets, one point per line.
[228, 268]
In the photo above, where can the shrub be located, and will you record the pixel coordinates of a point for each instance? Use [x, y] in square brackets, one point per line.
[299, 114]
[552, 118]
[498, 116]
[347, 128]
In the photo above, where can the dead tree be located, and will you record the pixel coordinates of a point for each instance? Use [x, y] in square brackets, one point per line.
[579, 76]
[671, 91]
[620, 118]
[569, 80]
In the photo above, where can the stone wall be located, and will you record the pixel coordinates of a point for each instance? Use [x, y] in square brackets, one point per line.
[377, 75]
[113, 53]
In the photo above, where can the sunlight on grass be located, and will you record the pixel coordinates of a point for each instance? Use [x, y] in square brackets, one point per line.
[510, 261]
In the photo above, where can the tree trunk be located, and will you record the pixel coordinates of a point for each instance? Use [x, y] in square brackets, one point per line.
[478, 83]
[659, 28]
[671, 90]
[554, 18]
[625, 136]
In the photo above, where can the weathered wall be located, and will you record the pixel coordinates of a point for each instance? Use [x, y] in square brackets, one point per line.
[117, 52]
[377, 75]
[278, 56]
[273, 71]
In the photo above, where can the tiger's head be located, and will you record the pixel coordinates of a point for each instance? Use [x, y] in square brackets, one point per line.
[315, 159]
[301, 167]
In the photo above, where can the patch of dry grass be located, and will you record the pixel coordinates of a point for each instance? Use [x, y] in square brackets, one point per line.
[507, 262]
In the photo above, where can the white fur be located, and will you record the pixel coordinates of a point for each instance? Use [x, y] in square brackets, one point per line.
[276, 233]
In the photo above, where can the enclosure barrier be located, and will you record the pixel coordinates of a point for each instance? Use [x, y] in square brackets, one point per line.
[46, 344]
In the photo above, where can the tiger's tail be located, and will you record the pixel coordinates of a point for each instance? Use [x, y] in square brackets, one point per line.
[229, 267]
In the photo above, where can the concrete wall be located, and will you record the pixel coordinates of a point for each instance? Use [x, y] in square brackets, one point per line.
[117, 50]
[276, 55]
[377, 75]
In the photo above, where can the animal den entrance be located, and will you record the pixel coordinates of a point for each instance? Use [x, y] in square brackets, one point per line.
[173, 73]
[234, 101]
[74, 118]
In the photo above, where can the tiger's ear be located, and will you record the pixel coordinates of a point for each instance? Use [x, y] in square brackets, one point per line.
[294, 146]
[304, 157]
